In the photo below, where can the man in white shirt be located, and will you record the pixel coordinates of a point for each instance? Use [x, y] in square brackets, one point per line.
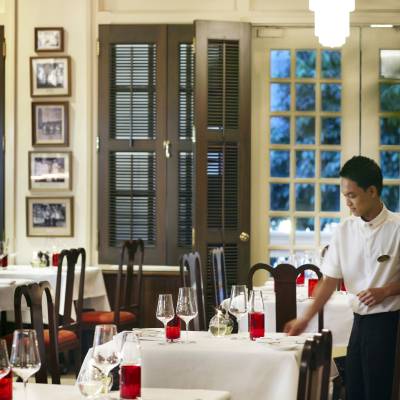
[365, 253]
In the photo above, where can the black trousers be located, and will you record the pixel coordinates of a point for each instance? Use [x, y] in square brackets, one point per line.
[371, 356]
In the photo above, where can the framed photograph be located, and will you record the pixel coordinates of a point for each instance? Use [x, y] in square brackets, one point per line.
[49, 216]
[50, 124]
[50, 171]
[50, 76]
[49, 39]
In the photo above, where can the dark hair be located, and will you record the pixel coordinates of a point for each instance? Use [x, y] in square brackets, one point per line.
[364, 171]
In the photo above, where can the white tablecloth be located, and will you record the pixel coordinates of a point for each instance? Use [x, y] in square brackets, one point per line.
[95, 295]
[64, 392]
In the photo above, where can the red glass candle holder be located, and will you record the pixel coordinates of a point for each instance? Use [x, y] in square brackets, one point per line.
[256, 325]
[343, 286]
[312, 284]
[130, 381]
[54, 259]
[6, 387]
[300, 279]
[4, 261]
[173, 330]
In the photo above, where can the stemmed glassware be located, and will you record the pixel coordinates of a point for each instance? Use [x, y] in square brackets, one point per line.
[186, 308]
[106, 352]
[25, 358]
[90, 380]
[238, 301]
[165, 311]
[4, 361]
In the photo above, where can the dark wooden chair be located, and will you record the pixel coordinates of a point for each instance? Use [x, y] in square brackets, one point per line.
[315, 366]
[191, 276]
[47, 338]
[219, 275]
[396, 376]
[128, 296]
[285, 290]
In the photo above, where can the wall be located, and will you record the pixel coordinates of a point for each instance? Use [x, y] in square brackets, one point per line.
[80, 19]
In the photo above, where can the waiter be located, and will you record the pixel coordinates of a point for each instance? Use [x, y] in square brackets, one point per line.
[365, 253]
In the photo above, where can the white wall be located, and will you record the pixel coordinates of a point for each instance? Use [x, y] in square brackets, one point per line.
[80, 19]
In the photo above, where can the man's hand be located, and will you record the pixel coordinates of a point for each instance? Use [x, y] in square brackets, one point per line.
[295, 326]
[372, 296]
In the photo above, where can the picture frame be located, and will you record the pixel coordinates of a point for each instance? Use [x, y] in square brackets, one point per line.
[50, 170]
[50, 76]
[50, 123]
[49, 216]
[49, 39]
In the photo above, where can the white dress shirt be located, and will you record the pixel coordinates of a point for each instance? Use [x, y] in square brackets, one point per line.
[353, 255]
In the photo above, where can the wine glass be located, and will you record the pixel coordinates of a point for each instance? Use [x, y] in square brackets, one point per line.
[90, 380]
[165, 310]
[25, 358]
[106, 352]
[186, 308]
[4, 361]
[238, 301]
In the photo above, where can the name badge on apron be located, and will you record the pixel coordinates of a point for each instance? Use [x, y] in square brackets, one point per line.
[383, 258]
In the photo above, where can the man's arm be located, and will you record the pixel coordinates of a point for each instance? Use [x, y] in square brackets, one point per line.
[373, 296]
[322, 294]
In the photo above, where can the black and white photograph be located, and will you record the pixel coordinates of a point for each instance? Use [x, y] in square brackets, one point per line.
[49, 171]
[49, 216]
[49, 39]
[50, 124]
[50, 76]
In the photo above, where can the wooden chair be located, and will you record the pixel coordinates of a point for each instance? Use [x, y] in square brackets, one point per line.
[128, 298]
[285, 290]
[396, 376]
[315, 367]
[47, 338]
[219, 275]
[193, 277]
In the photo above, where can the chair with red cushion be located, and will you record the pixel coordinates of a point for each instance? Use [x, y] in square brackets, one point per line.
[47, 342]
[128, 292]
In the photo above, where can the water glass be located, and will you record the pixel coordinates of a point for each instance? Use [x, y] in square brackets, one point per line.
[25, 358]
[165, 310]
[256, 314]
[186, 308]
[90, 380]
[238, 301]
[4, 361]
[130, 369]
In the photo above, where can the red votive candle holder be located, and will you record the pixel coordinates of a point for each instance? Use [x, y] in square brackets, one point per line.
[6, 386]
[256, 325]
[4, 261]
[300, 279]
[343, 286]
[54, 259]
[173, 330]
[312, 283]
[130, 381]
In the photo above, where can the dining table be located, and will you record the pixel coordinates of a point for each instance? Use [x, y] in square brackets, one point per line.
[36, 391]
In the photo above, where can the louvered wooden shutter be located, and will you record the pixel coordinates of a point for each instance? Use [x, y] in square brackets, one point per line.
[223, 133]
[132, 128]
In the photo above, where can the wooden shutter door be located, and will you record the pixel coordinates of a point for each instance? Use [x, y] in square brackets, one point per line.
[222, 155]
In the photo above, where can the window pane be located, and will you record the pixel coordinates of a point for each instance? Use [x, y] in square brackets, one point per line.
[327, 227]
[305, 130]
[278, 257]
[305, 196]
[279, 230]
[280, 97]
[390, 164]
[305, 164]
[390, 196]
[331, 63]
[305, 97]
[279, 163]
[331, 96]
[305, 232]
[330, 130]
[279, 196]
[305, 63]
[330, 197]
[280, 130]
[390, 130]
[330, 164]
[390, 97]
[390, 64]
[280, 63]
